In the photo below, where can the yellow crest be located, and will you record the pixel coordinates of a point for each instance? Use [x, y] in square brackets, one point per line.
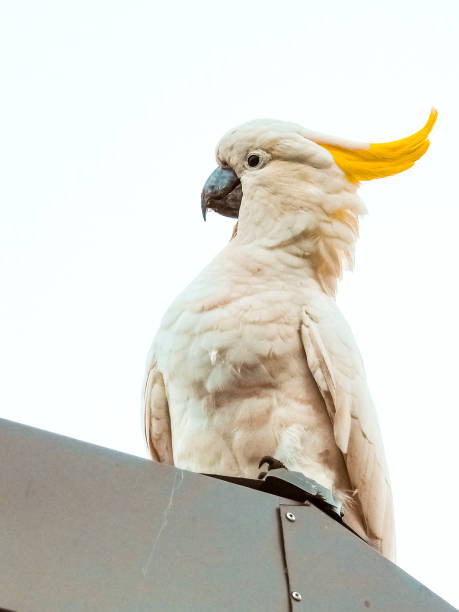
[382, 159]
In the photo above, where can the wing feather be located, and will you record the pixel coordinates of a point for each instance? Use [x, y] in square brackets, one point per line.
[157, 418]
[335, 363]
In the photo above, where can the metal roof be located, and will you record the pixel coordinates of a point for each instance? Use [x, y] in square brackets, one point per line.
[84, 528]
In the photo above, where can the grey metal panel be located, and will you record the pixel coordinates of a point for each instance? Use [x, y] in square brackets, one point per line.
[86, 528]
[83, 528]
[335, 571]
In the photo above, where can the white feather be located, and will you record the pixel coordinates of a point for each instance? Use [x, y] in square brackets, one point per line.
[255, 358]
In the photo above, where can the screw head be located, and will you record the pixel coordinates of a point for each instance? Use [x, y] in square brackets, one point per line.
[291, 517]
[296, 596]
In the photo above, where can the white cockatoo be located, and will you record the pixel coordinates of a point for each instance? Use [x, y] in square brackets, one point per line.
[254, 358]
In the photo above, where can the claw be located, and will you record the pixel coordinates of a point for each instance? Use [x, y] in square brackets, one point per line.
[273, 464]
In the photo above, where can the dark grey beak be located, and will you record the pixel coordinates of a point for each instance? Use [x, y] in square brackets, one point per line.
[222, 193]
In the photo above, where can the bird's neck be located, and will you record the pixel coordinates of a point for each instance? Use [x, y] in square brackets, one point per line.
[266, 225]
[284, 247]
[301, 239]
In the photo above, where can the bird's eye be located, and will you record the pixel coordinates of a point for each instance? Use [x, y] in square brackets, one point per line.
[253, 160]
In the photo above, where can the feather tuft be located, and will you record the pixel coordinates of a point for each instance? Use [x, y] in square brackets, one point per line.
[379, 160]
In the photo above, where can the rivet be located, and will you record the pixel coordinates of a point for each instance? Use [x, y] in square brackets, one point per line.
[296, 596]
[291, 517]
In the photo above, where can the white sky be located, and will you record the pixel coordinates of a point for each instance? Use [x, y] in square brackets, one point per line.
[110, 115]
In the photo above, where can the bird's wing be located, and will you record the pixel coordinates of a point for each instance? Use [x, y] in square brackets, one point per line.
[336, 365]
[157, 418]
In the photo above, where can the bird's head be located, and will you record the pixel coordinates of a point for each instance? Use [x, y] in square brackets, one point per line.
[291, 186]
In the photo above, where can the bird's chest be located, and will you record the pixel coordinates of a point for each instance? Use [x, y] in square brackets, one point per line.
[235, 339]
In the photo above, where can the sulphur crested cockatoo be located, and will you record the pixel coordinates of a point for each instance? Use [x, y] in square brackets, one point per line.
[254, 358]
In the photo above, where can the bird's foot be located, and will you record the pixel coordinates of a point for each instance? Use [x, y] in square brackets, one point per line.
[273, 464]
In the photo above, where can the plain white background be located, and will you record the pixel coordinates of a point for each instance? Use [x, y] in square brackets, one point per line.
[110, 114]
